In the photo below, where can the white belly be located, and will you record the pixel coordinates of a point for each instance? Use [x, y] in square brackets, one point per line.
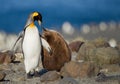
[31, 48]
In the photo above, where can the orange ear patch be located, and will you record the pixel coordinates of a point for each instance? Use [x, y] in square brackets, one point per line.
[35, 14]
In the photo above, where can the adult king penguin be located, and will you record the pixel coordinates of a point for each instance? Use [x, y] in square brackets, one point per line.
[32, 44]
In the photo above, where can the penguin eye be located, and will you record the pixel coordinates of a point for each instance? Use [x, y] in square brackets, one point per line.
[35, 18]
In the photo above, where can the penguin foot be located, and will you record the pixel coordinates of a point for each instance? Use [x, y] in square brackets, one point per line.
[37, 74]
[40, 73]
[29, 76]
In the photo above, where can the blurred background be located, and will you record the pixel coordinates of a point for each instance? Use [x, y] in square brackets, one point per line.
[89, 19]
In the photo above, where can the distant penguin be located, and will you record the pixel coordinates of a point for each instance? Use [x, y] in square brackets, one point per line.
[32, 44]
[61, 52]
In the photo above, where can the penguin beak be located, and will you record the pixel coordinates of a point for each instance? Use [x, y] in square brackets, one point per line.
[39, 22]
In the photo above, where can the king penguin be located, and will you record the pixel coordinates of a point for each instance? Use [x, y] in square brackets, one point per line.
[32, 44]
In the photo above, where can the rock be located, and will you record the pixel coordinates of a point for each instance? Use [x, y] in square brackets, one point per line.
[19, 57]
[107, 56]
[118, 46]
[6, 57]
[49, 76]
[71, 69]
[21, 79]
[4, 67]
[88, 48]
[61, 51]
[2, 76]
[101, 77]
[74, 46]
[100, 55]
[87, 69]
[112, 68]
[76, 69]
[85, 51]
[68, 80]
[100, 42]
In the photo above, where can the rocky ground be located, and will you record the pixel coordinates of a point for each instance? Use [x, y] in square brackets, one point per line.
[15, 74]
[93, 62]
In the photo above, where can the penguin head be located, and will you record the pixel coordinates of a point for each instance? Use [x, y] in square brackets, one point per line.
[34, 16]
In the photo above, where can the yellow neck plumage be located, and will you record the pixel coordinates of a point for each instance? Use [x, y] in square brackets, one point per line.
[32, 25]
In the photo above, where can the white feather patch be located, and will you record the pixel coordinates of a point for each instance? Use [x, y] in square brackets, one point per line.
[46, 45]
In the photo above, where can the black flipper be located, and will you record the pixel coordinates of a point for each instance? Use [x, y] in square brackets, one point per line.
[21, 35]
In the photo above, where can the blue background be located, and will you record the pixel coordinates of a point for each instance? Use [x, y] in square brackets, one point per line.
[13, 13]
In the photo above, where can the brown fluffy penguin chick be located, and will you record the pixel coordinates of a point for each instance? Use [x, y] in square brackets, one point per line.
[61, 52]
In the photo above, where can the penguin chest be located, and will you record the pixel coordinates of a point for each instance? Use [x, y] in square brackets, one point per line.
[31, 43]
